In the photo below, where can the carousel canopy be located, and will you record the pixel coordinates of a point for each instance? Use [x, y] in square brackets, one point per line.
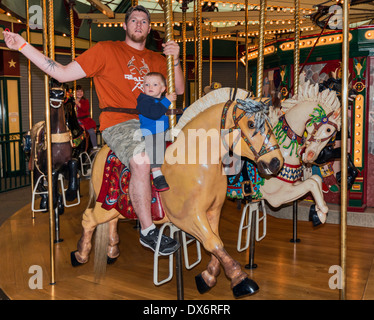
[221, 19]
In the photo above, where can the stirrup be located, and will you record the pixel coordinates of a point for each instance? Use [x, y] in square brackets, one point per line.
[247, 215]
[35, 193]
[86, 164]
[63, 190]
[185, 243]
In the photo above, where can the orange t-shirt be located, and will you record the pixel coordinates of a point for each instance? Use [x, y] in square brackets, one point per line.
[118, 72]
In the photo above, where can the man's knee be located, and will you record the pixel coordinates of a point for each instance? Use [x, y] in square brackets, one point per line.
[140, 164]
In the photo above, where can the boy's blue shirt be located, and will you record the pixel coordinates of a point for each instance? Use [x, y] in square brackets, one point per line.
[152, 114]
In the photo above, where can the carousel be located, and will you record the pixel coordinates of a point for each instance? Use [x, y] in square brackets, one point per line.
[282, 211]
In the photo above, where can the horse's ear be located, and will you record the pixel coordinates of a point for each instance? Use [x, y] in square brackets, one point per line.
[337, 113]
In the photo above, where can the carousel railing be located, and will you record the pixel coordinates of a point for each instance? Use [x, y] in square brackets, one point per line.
[14, 172]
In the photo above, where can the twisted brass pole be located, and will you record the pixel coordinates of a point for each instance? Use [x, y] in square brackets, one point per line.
[296, 53]
[344, 148]
[210, 53]
[195, 55]
[170, 59]
[184, 30]
[246, 44]
[261, 46]
[72, 38]
[237, 60]
[200, 50]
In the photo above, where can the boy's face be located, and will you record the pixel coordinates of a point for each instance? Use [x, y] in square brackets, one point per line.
[153, 86]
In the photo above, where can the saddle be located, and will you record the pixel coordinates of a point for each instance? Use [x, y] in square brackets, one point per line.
[114, 191]
[246, 184]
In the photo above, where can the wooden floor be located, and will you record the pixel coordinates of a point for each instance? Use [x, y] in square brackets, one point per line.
[285, 270]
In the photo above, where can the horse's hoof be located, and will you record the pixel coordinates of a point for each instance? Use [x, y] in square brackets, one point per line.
[245, 288]
[71, 195]
[110, 260]
[73, 259]
[201, 285]
[313, 216]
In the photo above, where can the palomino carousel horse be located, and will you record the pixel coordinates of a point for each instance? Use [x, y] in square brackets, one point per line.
[62, 162]
[197, 187]
[311, 118]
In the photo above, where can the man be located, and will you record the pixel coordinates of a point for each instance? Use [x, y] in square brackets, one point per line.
[117, 68]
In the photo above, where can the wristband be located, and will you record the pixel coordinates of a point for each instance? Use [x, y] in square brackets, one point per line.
[177, 64]
[21, 47]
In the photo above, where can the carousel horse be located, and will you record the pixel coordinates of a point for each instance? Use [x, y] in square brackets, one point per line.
[311, 119]
[197, 188]
[62, 161]
[80, 138]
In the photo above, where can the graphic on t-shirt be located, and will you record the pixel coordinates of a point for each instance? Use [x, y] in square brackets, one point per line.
[137, 74]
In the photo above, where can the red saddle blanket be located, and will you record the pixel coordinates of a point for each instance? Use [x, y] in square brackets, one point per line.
[114, 192]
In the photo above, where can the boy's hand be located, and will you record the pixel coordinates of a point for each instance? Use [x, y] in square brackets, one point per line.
[171, 96]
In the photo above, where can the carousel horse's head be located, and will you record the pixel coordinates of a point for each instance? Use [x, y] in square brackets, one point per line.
[56, 95]
[323, 123]
[258, 141]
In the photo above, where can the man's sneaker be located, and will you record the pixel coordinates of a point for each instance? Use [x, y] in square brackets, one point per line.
[167, 246]
[160, 184]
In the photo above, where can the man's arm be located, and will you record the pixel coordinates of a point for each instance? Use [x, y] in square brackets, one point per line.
[70, 72]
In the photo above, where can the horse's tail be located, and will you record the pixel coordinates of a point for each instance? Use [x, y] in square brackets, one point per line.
[101, 244]
[92, 194]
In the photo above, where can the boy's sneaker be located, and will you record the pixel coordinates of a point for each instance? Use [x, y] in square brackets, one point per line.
[167, 246]
[160, 184]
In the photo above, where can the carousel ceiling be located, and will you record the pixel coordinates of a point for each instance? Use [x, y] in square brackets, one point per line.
[221, 19]
[227, 18]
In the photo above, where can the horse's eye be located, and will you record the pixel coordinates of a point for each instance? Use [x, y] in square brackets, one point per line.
[251, 124]
[328, 130]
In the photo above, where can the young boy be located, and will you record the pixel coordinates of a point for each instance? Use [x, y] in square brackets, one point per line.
[154, 123]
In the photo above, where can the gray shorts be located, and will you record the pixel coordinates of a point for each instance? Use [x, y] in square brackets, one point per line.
[125, 140]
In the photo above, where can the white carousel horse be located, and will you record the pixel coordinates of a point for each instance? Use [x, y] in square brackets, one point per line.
[309, 121]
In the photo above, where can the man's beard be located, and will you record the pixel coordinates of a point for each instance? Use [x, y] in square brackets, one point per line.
[138, 38]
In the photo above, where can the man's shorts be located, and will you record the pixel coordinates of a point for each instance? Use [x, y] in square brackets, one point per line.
[125, 140]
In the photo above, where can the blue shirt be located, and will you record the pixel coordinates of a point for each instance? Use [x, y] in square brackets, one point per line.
[152, 114]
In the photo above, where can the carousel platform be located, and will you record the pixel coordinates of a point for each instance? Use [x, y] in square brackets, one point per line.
[286, 271]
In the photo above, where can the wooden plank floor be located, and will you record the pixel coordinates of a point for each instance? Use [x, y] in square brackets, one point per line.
[285, 270]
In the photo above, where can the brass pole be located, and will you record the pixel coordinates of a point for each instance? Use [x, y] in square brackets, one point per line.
[184, 30]
[344, 133]
[261, 46]
[29, 90]
[200, 49]
[48, 129]
[237, 59]
[246, 44]
[170, 59]
[210, 53]
[296, 53]
[91, 84]
[72, 38]
[195, 48]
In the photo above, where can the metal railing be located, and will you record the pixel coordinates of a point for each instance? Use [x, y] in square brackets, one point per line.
[14, 171]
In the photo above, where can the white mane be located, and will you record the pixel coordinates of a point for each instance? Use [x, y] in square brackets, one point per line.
[327, 99]
[212, 98]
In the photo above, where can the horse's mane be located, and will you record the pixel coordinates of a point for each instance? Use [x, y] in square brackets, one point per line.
[212, 98]
[327, 99]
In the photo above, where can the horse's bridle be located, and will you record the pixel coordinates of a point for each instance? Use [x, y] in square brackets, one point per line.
[325, 120]
[264, 148]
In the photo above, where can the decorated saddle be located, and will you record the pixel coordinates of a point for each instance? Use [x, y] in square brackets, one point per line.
[246, 184]
[114, 192]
